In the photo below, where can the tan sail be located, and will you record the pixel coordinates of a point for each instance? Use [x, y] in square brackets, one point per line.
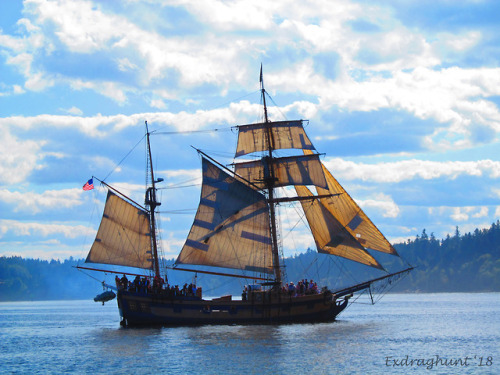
[352, 217]
[330, 236]
[123, 237]
[231, 226]
[284, 135]
[294, 170]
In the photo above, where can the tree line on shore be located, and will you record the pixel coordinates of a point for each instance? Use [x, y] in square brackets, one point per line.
[458, 263]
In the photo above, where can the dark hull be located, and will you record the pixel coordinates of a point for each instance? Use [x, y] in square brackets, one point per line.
[261, 308]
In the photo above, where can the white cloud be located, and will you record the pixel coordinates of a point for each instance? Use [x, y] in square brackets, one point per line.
[84, 28]
[496, 191]
[87, 125]
[172, 245]
[13, 90]
[237, 15]
[100, 126]
[382, 203]
[468, 212]
[33, 202]
[455, 97]
[411, 169]
[38, 82]
[460, 213]
[158, 103]
[80, 25]
[18, 158]
[74, 111]
[125, 65]
[458, 42]
[18, 89]
[483, 212]
[189, 174]
[34, 229]
[48, 249]
[113, 90]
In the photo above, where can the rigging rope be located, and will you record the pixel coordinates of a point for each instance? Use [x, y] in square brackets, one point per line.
[89, 275]
[177, 187]
[179, 212]
[189, 131]
[121, 161]
[278, 108]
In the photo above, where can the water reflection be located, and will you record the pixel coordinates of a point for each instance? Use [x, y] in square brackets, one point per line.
[83, 337]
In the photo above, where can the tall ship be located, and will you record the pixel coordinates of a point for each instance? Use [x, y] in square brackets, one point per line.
[235, 233]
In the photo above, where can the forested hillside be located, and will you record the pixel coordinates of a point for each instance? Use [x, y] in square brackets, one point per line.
[458, 263]
[466, 263]
[33, 279]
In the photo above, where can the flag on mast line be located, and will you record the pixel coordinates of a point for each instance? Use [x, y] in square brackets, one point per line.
[89, 185]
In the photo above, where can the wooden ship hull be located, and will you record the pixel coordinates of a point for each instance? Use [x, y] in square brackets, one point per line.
[263, 307]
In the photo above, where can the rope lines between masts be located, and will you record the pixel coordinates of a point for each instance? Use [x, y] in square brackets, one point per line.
[276, 106]
[123, 159]
[156, 132]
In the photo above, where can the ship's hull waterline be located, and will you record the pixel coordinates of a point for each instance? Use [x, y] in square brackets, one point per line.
[261, 308]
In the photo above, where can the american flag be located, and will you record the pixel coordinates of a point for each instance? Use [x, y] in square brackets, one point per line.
[89, 185]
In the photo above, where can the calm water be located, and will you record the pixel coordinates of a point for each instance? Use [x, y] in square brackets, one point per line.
[85, 337]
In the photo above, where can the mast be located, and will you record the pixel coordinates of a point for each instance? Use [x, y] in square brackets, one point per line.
[151, 201]
[270, 181]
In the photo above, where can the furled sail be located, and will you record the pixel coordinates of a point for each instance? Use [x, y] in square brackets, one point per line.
[350, 215]
[123, 237]
[292, 170]
[330, 236]
[231, 226]
[284, 135]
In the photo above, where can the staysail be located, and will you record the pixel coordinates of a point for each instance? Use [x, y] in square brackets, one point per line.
[352, 217]
[231, 226]
[330, 235]
[123, 237]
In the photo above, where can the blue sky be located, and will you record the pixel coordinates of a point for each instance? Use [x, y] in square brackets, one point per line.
[402, 96]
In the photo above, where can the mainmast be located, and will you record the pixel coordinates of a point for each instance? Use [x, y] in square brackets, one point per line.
[152, 203]
[270, 181]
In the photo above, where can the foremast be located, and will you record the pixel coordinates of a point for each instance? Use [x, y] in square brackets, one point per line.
[151, 202]
[127, 232]
[270, 182]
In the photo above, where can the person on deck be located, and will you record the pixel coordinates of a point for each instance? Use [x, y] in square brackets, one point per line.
[124, 281]
[137, 283]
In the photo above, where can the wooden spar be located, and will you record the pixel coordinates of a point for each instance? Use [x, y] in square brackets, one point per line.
[366, 284]
[226, 168]
[294, 199]
[218, 273]
[120, 193]
[107, 271]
